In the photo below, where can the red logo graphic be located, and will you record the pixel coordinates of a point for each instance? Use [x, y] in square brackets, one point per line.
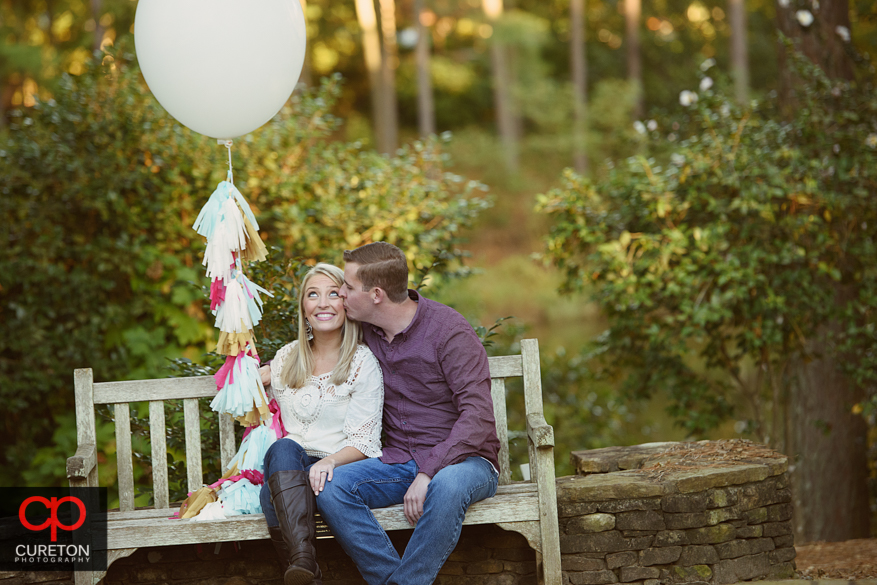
[52, 505]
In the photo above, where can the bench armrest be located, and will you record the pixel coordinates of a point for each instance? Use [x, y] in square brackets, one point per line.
[539, 431]
[81, 464]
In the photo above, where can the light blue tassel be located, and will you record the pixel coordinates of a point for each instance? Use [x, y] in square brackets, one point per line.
[261, 438]
[210, 215]
[254, 302]
[233, 191]
[237, 398]
[251, 454]
[240, 497]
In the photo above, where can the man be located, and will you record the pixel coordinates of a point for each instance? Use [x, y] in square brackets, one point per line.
[440, 454]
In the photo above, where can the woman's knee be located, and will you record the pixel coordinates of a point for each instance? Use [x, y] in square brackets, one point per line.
[284, 455]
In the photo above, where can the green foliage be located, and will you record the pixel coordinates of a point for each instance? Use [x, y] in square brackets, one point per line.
[101, 266]
[718, 264]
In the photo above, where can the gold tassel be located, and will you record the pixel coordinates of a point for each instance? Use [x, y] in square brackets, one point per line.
[255, 250]
[234, 343]
[257, 415]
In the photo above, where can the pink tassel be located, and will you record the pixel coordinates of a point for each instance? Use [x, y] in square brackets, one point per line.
[221, 374]
[253, 476]
[276, 420]
[217, 293]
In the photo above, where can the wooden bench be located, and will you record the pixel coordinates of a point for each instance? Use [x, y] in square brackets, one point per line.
[528, 507]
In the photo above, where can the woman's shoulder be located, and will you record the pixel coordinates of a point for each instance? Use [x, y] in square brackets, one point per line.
[364, 354]
[284, 351]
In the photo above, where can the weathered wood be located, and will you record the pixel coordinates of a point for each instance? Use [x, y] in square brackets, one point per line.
[505, 366]
[83, 388]
[151, 390]
[497, 392]
[541, 447]
[124, 461]
[516, 507]
[158, 441]
[194, 471]
[532, 376]
[80, 465]
[227, 448]
[539, 431]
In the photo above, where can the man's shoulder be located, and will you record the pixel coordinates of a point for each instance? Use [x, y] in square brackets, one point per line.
[447, 316]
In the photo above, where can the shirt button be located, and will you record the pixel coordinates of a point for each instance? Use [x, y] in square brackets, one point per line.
[404, 422]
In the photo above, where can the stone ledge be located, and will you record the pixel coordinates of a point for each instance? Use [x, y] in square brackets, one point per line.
[662, 469]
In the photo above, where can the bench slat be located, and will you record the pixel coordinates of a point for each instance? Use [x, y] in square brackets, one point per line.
[497, 392]
[124, 462]
[509, 507]
[194, 470]
[505, 366]
[159, 454]
[150, 390]
[226, 439]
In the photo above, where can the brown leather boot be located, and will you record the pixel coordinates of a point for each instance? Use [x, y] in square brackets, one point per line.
[295, 506]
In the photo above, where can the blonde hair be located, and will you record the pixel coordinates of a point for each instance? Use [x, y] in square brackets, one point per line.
[299, 365]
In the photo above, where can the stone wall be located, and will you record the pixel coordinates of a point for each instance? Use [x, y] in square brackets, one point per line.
[660, 514]
[711, 512]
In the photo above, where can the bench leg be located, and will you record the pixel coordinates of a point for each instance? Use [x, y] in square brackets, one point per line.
[95, 577]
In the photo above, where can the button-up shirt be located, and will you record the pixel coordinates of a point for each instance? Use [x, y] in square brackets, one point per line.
[437, 405]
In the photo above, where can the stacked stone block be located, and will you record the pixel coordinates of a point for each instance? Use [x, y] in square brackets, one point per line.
[725, 523]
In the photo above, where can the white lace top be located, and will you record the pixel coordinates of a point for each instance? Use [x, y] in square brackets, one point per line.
[324, 418]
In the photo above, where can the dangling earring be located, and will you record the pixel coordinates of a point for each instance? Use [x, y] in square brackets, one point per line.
[309, 330]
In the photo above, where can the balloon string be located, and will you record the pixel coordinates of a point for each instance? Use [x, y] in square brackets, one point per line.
[227, 144]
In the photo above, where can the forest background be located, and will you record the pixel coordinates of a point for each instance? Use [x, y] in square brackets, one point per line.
[669, 111]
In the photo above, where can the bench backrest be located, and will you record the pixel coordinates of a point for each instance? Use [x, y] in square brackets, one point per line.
[190, 390]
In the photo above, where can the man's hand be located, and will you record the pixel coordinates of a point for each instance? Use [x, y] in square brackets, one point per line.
[414, 498]
[265, 374]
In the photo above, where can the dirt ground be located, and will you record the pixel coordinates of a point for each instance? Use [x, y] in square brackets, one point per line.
[853, 559]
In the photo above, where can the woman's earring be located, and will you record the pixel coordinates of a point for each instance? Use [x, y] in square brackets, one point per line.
[309, 330]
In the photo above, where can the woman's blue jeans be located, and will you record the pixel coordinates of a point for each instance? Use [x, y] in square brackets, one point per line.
[356, 487]
[283, 455]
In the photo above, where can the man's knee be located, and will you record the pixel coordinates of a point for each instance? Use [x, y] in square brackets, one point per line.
[334, 492]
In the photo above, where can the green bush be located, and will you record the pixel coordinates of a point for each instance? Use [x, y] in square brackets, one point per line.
[716, 260]
[101, 268]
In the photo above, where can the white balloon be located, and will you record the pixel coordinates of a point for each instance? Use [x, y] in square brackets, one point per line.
[221, 67]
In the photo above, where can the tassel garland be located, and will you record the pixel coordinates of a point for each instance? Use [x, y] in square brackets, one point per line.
[231, 231]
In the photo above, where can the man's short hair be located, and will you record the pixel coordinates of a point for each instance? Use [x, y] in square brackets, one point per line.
[381, 265]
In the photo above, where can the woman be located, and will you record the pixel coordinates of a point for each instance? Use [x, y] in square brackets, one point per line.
[330, 391]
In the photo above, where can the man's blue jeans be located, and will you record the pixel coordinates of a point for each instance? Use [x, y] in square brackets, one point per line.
[282, 455]
[346, 501]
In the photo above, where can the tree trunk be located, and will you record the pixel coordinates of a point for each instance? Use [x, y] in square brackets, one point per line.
[389, 62]
[828, 456]
[578, 59]
[425, 106]
[827, 442]
[371, 48]
[820, 42]
[502, 97]
[305, 76]
[632, 13]
[739, 52]
[98, 29]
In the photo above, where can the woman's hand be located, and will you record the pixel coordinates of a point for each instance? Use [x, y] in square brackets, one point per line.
[320, 473]
[265, 373]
